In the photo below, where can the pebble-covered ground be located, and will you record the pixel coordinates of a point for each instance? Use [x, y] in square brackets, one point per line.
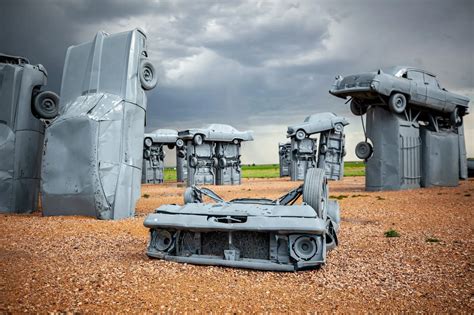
[83, 264]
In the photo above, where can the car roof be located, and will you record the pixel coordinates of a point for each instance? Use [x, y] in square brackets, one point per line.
[394, 70]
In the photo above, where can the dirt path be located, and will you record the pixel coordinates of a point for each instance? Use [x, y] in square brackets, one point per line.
[82, 264]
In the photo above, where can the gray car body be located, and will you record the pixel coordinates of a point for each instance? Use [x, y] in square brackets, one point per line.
[218, 132]
[317, 123]
[419, 86]
[166, 136]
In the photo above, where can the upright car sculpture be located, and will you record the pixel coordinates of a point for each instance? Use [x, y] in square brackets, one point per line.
[248, 233]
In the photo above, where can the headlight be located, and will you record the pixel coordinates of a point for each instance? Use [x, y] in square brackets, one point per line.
[374, 85]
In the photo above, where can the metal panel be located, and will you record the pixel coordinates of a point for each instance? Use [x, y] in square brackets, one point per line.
[303, 157]
[21, 135]
[228, 171]
[331, 153]
[284, 152]
[96, 169]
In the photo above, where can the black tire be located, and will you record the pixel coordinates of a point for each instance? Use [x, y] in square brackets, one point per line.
[455, 118]
[315, 191]
[198, 139]
[148, 142]
[339, 127]
[148, 77]
[171, 146]
[146, 154]
[193, 161]
[364, 150]
[235, 141]
[46, 105]
[300, 135]
[222, 162]
[357, 108]
[397, 103]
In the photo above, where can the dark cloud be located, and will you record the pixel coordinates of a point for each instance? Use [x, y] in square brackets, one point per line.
[255, 65]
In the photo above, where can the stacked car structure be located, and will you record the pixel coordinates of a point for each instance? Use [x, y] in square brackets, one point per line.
[284, 152]
[415, 134]
[154, 153]
[213, 154]
[305, 152]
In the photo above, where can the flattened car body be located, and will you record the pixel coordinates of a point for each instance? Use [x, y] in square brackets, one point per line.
[245, 233]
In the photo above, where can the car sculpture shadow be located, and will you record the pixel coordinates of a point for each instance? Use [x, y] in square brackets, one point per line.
[400, 88]
[250, 233]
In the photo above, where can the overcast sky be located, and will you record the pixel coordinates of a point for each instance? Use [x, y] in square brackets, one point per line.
[259, 65]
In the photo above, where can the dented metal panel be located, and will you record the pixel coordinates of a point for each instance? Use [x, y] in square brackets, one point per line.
[21, 134]
[96, 169]
[303, 157]
[228, 170]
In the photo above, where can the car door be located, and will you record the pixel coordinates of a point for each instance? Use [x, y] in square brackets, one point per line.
[436, 97]
[418, 87]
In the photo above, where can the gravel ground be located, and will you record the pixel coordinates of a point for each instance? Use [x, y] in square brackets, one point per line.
[82, 264]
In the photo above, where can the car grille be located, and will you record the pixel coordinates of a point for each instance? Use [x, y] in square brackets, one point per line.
[251, 244]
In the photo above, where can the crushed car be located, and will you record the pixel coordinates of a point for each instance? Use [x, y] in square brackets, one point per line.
[397, 87]
[259, 233]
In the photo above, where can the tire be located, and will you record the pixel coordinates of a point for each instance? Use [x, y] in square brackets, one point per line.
[170, 146]
[364, 150]
[315, 191]
[222, 162]
[455, 118]
[300, 135]
[146, 154]
[148, 77]
[181, 154]
[397, 103]
[148, 142]
[323, 149]
[193, 161]
[357, 108]
[197, 139]
[338, 127]
[179, 143]
[46, 105]
[235, 141]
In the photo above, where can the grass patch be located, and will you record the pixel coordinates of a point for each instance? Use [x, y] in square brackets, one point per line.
[146, 196]
[355, 196]
[391, 233]
[273, 171]
[432, 240]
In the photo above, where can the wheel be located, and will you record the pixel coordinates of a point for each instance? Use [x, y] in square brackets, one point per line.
[222, 162]
[179, 143]
[46, 105]
[181, 154]
[235, 141]
[300, 135]
[397, 103]
[146, 154]
[323, 149]
[193, 161]
[148, 77]
[454, 118]
[197, 139]
[338, 127]
[363, 150]
[357, 108]
[148, 142]
[315, 192]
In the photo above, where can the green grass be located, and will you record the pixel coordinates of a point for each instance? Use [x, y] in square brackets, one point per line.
[391, 233]
[273, 171]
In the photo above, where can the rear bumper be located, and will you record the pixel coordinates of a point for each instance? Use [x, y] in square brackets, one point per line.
[343, 93]
[257, 264]
[203, 223]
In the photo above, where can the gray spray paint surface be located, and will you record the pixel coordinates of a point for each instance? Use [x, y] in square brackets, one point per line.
[305, 152]
[21, 134]
[154, 154]
[248, 233]
[284, 152]
[93, 151]
[213, 154]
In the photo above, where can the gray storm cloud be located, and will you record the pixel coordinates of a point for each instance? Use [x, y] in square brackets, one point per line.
[256, 65]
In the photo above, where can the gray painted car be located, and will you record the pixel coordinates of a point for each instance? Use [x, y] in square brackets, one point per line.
[216, 132]
[162, 136]
[400, 86]
[317, 123]
[248, 233]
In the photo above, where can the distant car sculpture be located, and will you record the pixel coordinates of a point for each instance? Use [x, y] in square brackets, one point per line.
[213, 154]
[399, 87]
[24, 111]
[305, 153]
[94, 151]
[248, 233]
[154, 154]
[414, 133]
